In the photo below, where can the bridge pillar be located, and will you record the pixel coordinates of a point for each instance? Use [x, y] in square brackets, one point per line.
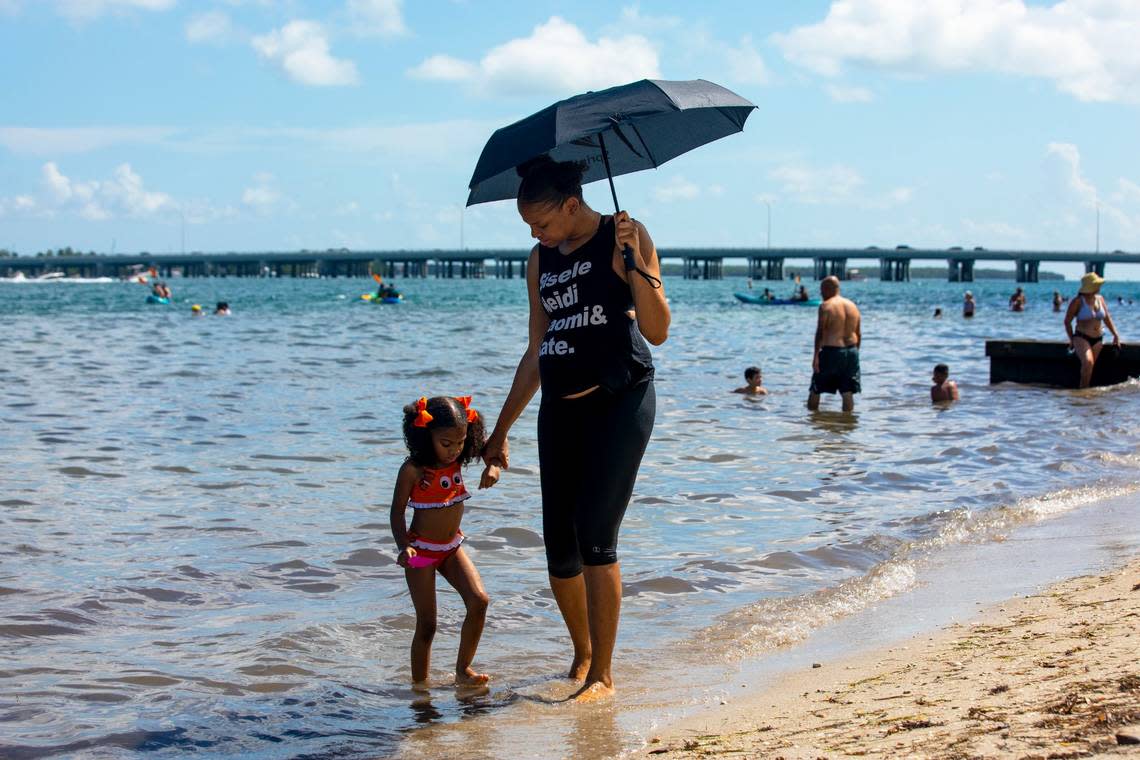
[953, 271]
[894, 270]
[1095, 266]
[967, 270]
[1027, 270]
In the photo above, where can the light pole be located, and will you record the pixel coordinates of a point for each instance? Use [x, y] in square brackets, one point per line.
[461, 210]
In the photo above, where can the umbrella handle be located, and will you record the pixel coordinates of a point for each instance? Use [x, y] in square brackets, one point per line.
[627, 251]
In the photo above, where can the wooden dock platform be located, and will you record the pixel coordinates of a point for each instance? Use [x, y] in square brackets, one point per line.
[1048, 362]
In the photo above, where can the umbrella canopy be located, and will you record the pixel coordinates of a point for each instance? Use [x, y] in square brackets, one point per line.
[624, 129]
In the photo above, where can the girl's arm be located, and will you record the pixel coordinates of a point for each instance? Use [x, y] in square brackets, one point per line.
[648, 301]
[526, 381]
[405, 482]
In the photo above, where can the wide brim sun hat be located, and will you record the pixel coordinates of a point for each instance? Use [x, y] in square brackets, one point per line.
[1091, 282]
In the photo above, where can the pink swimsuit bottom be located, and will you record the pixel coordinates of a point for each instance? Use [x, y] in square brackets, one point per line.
[430, 553]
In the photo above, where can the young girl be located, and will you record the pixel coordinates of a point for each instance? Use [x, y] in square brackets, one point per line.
[442, 435]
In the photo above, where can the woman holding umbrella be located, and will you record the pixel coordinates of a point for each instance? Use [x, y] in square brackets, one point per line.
[590, 316]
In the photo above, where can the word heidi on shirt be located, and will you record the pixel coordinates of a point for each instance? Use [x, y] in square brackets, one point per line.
[565, 299]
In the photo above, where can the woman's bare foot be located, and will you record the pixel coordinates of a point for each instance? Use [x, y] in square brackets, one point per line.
[468, 677]
[579, 668]
[593, 692]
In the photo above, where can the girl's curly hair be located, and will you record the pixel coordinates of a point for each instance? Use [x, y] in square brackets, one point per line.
[446, 412]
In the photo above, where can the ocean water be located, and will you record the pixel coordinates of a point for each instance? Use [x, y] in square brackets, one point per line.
[195, 556]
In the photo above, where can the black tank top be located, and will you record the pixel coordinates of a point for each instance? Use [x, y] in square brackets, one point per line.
[590, 340]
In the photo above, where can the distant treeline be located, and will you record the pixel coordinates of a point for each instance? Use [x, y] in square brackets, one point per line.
[872, 273]
[5, 253]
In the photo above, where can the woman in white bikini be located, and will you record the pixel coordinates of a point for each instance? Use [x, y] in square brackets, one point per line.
[1091, 314]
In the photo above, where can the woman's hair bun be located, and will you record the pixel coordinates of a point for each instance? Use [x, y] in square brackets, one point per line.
[542, 160]
[547, 181]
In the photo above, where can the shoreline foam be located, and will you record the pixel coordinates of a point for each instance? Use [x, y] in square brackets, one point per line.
[1052, 674]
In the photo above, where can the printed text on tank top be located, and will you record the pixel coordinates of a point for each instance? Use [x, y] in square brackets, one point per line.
[568, 252]
[588, 304]
[438, 488]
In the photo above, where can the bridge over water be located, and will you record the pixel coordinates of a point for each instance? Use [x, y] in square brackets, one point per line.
[697, 263]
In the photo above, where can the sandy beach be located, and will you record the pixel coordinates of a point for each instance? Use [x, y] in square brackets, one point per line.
[1051, 675]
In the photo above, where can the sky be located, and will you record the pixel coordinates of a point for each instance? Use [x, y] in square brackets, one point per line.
[219, 125]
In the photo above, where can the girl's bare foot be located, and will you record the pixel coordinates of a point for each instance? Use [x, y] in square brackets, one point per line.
[468, 677]
[579, 668]
[593, 692]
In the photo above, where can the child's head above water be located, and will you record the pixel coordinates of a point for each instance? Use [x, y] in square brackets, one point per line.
[442, 430]
[752, 375]
[941, 373]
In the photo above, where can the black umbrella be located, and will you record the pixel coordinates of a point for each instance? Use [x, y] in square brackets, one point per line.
[624, 129]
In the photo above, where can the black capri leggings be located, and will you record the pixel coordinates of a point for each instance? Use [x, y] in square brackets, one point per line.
[589, 449]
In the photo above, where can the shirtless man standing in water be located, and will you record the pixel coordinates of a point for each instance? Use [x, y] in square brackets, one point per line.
[838, 333]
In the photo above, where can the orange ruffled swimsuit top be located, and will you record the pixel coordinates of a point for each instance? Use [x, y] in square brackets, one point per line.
[439, 488]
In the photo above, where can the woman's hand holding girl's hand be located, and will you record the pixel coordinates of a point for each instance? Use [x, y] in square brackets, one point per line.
[404, 556]
[490, 476]
[497, 452]
[625, 233]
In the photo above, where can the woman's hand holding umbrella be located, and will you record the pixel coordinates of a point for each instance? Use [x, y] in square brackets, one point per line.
[625, 233]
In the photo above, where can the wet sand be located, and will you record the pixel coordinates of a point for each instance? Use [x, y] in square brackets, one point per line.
[1051, 675]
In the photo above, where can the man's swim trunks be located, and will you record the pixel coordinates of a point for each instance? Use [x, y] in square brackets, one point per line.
[838, 371]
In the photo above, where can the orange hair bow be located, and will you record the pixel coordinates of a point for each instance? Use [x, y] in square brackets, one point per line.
[422, 416]
[472, 415]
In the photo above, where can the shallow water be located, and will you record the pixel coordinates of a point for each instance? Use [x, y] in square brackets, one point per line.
[195, 555]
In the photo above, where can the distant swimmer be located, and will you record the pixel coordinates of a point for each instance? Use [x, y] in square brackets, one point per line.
[222, 309]
[196, 310]
[1058, 302]
[752, 377]
[1017, 300]
[943, 388]
[767, 295]
[838, 335]
[938, 312]
[969, 305]
[1090, 311]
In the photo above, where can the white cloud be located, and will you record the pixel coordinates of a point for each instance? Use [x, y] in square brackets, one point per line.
[1079, 190]
[676, 189]
[121, 195]
[88, 10]
[301, 49]
[211, 27]
[444, 68]
[263, 195]
[1070, 158]
[745, 64]
[836, 184]
[17, 205]
[996, 233]
[556, 58]
[383, 18]
[848, 94]
[57, 140]
[829, 184]
[1085, 47]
